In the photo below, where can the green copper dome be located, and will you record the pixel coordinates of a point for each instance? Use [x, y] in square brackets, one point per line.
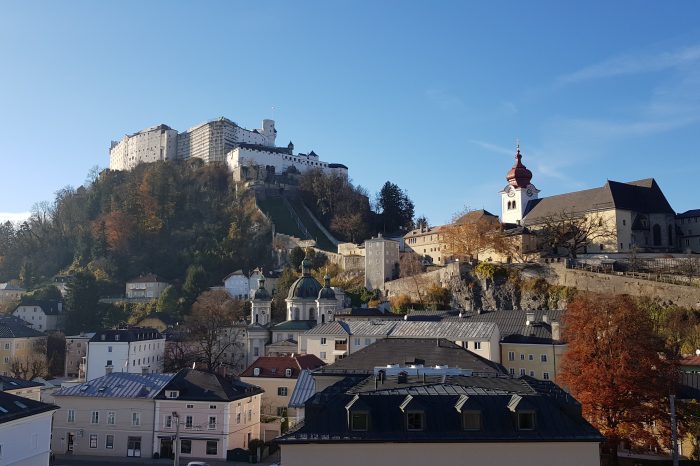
[261, 293]
[326, 292]
[306, 286]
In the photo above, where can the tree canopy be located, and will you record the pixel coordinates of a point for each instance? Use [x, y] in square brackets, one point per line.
[396, 210]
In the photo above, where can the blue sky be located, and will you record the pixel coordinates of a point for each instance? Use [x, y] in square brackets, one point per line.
[429, 95]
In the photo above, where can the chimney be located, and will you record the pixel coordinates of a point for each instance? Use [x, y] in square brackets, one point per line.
[144, 370]
[529, 318]
[556, 333]
[545, 318]
[108, 369]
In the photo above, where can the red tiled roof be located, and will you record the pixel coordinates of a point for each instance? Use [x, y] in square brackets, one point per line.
[276, 366]
[691, 361]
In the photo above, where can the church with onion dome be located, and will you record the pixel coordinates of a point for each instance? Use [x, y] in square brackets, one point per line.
[308, 304]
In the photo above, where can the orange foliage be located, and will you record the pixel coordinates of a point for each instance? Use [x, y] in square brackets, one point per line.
[119, 227]
[617, 367]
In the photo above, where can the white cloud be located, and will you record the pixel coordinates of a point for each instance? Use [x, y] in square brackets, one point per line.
[634, 64]
[13, 216]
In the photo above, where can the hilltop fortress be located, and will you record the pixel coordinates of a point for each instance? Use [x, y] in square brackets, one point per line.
[249, 154]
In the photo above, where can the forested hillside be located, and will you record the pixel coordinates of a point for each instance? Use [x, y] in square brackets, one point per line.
[160, 218]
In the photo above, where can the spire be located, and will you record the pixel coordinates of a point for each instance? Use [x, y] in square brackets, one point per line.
[519, 176]
[306, 265]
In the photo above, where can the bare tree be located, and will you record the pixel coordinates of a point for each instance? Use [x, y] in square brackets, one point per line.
[474, 232]
[573, 232]
[33, 364]
[213, 330]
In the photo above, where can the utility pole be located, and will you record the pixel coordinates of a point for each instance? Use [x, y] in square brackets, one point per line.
[176, 444]
[674, 427]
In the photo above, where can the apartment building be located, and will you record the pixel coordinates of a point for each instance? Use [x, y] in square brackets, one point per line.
[18, 343]
[134, 349]
[76, 352]
[25, 431]
[381, 262]
[41, 315]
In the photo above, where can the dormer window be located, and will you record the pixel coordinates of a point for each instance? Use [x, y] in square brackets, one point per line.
[415, 420]
[172, 394]
[526, 420]
[471, 420]
[287, 372]
[359, 421]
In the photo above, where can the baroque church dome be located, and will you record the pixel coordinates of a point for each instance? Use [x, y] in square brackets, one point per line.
[519, 176]
[261, 293]
[327, 292]
[306, 286]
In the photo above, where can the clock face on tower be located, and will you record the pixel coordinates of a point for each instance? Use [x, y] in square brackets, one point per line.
[510, 191]
[529, 192]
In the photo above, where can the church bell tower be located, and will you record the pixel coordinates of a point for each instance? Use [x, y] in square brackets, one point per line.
[517, 193]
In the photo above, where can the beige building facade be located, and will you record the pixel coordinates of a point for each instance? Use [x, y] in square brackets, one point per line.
[18, 342]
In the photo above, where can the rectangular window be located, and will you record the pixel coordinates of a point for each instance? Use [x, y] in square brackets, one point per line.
[71, 415]
[357, 342]
[212, 447]
[414, 420]
[168, 421]
[471, 420]
[477, 345]
[190, 406]
[323, 355]
[111, 418]
[188, 422]
[526, 420]
[359, 421]
[238, 418]
[281, 391]
[212, 422]
[93, 440]
[256, 351]
[109, 441]
[282, 411]
[543, 358]
[512, 371]
[522, 371]
[186, 446]
[109, 349]
[545, 375]
[367, 341]
[95, 419]
[212, 406]
[135, 419]
[323, 340]
[522, 357]
[530, 357]
[511, 356]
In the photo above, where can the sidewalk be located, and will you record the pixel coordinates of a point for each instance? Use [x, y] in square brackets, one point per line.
[82, 460]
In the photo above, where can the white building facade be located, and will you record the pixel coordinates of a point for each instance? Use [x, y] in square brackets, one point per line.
[131, 350]
[25, 431]
[381, 262]
[149, 145]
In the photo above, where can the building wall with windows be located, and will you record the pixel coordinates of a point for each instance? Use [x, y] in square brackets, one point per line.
[402, 454]
[278, 392]
[538, 361]
[234, 424]
[210, 141]
[688, 226]
[103, 426]
[76, 350]
[21, 349]
[381, 262]
[25, 441]
[147, 146]
[127, 354]
[241, 159]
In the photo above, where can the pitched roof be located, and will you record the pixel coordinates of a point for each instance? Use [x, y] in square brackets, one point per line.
[194, 385]
[294, 326]
[361, 312]
[127, 334]
[452, 330]
[120, 385]
[689, 214]
[643, 196]
[10, 287]
[411, 351]
[512, 327]
[148, 278]
[11, 383]
[11, 328]
[303, 390]
[442, 397]
[17, 407]
[276, 366]
[49, 306]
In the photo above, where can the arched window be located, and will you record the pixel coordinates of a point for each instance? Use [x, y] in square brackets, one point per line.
[257, 318]
[323, 318]
[514, 204]
[312, 314]
[656, 234]
[296, 313]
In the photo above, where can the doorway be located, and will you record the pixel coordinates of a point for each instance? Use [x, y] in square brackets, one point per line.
[71, 441]
[166, 448]
[133, 447]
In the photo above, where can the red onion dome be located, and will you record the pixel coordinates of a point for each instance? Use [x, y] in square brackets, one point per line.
[519, 176]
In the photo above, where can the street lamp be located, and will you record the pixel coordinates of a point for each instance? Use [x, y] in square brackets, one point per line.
[176, 444]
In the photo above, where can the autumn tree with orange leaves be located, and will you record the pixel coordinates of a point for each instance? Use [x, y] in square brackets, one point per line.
[619, 369]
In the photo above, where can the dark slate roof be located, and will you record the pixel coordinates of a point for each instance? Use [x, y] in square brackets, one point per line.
[689, 214]
[337, 165]
[294, 325]
[642, 196]
[195, 385]
[13, 327]
[442, 398]
[49, 306]
[11, 383]
[406, 351]
[127, 334]
[120, 385]
[276, 366]
[17, 407]
[149, 278]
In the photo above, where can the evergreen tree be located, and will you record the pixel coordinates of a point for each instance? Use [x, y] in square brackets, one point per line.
[396, 209]
[83, 310]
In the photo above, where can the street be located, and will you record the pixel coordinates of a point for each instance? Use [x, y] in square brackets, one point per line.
[69, 460]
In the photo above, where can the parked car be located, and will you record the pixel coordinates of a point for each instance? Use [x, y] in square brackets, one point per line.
[197, 463]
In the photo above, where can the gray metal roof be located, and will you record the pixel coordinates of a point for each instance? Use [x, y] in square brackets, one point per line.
[120, 385]
[451, 330]
[303, 390]
[14, 327]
